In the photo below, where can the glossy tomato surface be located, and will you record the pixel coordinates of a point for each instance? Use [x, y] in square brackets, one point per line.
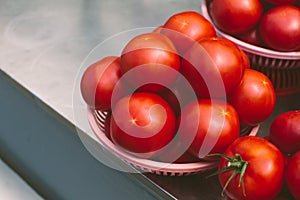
[214, 67]
[292, 175]
[264, 172]
[252, 37]
[280, 28]
[142, 123]
[254, 99]
[209, 125]
[150, 59]
[98, 82]
[285, 131]
[236, 16]
[245, 59]
[187, 27]
[178, 95]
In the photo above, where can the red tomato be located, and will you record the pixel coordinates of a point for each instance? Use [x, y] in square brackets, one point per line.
[185, 28]
[285, 131]
[150, 58]
[99, 81]
[252, 37]
[171, 96]
[210, 126]
[236, 16]
[254, 99]
[245, 59]
[280, 28]
[292, 175]
[178, 95]
[214, 67]
[142, 123]
[259, 168]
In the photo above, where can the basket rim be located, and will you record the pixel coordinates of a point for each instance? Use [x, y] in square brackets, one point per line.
[146, 163]
[294, 55]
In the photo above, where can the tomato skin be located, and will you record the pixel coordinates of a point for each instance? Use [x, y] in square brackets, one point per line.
[264, 174]
[252, 37]
[152, 55]
[99, 81]
[178, 95]
[236, 16]
[254, 99]
[185, 28]
[280, 28]
[292, 175]
[285, 131]
[215, 122]
[212, 66]
[142, 123]
[245, 60]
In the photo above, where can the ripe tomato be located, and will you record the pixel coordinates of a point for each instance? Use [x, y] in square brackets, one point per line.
[280, 28]
[254, 99]
[142, 123]
[185, 28]
[178, 95]
[210, 126]
[292, 175]
[245, 59]
[99, 81]
[214, 67]
[154, 59]
[252, 37]
[252, 163]
[235, 16]
[285, 131]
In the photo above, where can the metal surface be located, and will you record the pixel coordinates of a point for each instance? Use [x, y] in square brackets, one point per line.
[52, 160]
[44, 44]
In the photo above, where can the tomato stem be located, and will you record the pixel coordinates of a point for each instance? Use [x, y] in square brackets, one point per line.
[238, 165]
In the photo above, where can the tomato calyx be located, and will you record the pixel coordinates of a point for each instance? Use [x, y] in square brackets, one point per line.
[238, 165]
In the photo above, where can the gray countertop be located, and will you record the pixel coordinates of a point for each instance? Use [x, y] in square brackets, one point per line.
[43, 44]
[46, 45]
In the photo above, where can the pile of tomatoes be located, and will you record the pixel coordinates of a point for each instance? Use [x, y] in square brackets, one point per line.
[273, 24]
[179, 89]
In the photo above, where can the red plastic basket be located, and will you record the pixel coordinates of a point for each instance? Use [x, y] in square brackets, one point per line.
[282, 68]
[97, 122]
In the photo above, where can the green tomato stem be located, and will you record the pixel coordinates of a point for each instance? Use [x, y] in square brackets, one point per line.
[238, 165]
